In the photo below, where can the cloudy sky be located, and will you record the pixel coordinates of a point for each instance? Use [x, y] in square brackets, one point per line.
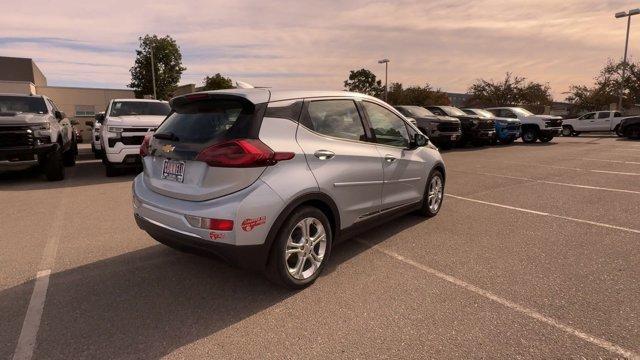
[313, 44]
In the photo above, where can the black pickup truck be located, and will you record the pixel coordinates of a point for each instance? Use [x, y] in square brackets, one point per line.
[630, 127]
[443, 131]
[475, 130]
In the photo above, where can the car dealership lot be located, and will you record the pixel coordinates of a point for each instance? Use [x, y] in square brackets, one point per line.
[535, 253]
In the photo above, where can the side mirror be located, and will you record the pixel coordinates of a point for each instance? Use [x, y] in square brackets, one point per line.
[74, 122]
[419, 140]
[99, 117]
[60, 115]
[89, 123]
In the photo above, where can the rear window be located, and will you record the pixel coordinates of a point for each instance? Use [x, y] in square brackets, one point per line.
[211, 121]
[126, 108]
[24, 104]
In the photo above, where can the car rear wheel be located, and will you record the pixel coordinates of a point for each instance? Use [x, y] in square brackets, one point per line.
[434, 194]
[567, 131]
[301, 249]
[529, 135]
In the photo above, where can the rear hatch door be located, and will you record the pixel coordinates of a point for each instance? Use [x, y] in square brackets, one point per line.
[196, 123]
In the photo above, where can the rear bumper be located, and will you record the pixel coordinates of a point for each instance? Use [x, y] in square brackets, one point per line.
[252, 257]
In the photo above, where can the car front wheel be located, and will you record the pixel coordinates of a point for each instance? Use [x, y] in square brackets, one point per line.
[530, 135]
[301, 249]
[434, 194]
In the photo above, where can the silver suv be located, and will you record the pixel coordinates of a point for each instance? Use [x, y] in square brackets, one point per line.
[272, 180]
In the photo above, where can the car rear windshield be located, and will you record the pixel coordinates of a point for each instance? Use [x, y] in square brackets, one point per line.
[210, 121]
[125, 108]
[22, 104]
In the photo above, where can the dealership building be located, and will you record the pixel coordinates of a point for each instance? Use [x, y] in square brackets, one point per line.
[22, 76]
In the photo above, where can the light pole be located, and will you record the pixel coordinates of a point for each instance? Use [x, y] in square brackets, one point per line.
[628, 15]
[153, 73]
[386, 74]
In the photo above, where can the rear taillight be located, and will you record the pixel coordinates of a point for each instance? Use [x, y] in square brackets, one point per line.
[210, 224]
[144, 148]
[242, 153]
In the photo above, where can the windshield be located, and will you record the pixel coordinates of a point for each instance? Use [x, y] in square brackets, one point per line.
[417, 111]
[484, 113]
[522, 112]
[124, 108]
[23, 104]
[453, 111]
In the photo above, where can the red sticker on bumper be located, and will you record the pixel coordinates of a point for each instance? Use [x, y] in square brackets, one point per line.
[216, 236]
[250, 224]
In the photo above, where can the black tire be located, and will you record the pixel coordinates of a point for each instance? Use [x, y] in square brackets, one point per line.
[617, 131]
[567, 131]
[278, 266]
[111, 171]
[425, 209]
[69, 156]
[633, 132]
[529, 135]
[507, 141]
[546, 139]
[53, 166]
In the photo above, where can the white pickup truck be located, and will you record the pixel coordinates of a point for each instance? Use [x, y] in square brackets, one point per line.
[600, 121]
[534, 127]
[123, 128]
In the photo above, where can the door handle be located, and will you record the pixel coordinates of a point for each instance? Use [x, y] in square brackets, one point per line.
[389, 158]
[324, 154]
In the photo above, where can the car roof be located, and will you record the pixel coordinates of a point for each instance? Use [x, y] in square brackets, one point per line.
[22, 95]
[262, 95]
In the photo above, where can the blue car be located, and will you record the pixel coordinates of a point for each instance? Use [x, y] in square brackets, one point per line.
[507, 129]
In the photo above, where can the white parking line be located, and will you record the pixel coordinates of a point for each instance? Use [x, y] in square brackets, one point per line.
[552, 182]
[612, 161]
[28, 334]
[616, 349]
[547, 214]
[576, 169]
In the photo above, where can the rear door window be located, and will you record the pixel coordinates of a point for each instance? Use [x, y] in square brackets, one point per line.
[604, 115]
[336, 118]
[388, 128]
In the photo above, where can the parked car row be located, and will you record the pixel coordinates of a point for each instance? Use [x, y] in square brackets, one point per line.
[448, 125]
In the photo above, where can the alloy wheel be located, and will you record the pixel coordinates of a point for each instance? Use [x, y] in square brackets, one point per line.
[435, 194]
[306, 247]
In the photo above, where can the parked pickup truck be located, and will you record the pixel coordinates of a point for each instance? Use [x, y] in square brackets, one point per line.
[443, 131]
[124, 126]
[474, 129]
[600, 121]
[34, 132]
[534, 127]
[507, 130]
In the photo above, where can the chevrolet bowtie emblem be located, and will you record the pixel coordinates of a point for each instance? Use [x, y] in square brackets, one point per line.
[168, 148]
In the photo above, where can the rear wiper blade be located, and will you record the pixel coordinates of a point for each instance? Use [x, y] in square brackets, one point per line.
[166, 136]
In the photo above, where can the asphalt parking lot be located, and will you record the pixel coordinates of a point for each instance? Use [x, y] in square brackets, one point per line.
[535, 254]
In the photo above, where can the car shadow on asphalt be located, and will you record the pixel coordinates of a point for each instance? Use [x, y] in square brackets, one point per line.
[150, 302]
[84, 173]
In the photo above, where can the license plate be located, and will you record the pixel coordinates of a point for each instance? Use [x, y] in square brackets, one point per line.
[173, 170]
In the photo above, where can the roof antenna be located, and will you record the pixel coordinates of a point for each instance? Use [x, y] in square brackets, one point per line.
[243, 85]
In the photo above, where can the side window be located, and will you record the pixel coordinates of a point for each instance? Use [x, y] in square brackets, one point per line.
[508, 114]
[617, 114]
[53, 106]
[588, 116]
[337, 118]
[604, 115]
[387, 126]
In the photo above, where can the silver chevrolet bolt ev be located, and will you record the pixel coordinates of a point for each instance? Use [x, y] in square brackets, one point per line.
[271, 180]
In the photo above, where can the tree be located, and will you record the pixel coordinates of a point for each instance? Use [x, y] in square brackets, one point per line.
[168, 67]
[365, 82]
[217, 82]
[416, 95]
[606, 89]
[513, 90]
